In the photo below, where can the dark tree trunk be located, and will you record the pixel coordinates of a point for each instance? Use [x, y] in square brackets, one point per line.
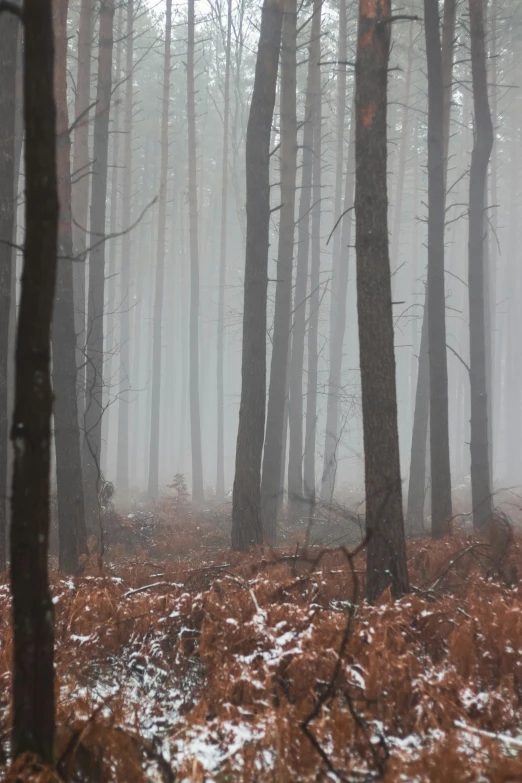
[273, 455]
[114, 244]
[220, 476]
[438, 368]
[246, 509]
[160, 267]
[295, 406]
[9, 29]
[122, 463]
[386, 561]
[483, 144]
[195, 417]
[32, 608]
[94, 379]
[417, 475]
[71, 520]
[331, 442]
[313, 317]
[80, 189]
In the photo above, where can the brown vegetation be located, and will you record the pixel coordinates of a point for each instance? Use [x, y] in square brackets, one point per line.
[183, 659]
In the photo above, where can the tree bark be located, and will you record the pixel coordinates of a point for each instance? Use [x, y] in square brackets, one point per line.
[246, 501]
[273, 455]
[32, 608]
[417, 475]
[331, 441]
[220, 477]
[483, 144]
[295, 407]
[386, 554]
[438, 369]
[81, 171]
[122, 462]
[160, 266]
[113, 245]
[313, 317]
[195, 417]
[94, 374]
[71, 520]
[9, 29]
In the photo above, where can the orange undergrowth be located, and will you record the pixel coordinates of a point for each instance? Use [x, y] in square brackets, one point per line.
[208, 671]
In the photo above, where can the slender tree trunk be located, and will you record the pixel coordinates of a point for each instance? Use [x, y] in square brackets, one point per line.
[94, 375]
[483, 144]
[71, 520]
[113, 246]
[122, 464]
[81, 170]
[9, 29]
[438, 368]
[220, 477]
[160, 266]
[331, 442]
[313, 319]
[339, 159]
[295, 408]
[273, 455]
[246, 503]
[386, 558]
[401, 170]
[195, 417]
[417, 481]
[32, 608]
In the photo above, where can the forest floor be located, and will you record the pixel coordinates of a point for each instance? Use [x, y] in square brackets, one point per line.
[179, 660]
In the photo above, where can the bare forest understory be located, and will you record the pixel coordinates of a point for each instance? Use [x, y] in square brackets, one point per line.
[177, 659]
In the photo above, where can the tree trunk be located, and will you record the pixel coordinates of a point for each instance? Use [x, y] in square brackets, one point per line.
[195, 418]
[94, 385]
[483, 144]
[417, 475]
[401, 171]
[113, 245]
[122, 463]
[246, 503]
[438, 368]
[71, 520]
[273, 455]
[32, 608]
[295, 407]
[313, 318]
[81, 171]
[386, 555]
[160, 267]
[331, 441]
[9, 29]
[220, 477]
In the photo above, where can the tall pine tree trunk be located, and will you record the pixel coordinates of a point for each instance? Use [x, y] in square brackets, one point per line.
[273, 455]
[81, 170]
[9, 29]
[295, 408]
[71, 519]
[438, 368]
[386, 558]
[220, 476]
[313, 319]
[195, 416]
[160, 267]
[331, 441]
[483, 144]
[94, 374]
[32, 608]
[122, 463]
[246, 501]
